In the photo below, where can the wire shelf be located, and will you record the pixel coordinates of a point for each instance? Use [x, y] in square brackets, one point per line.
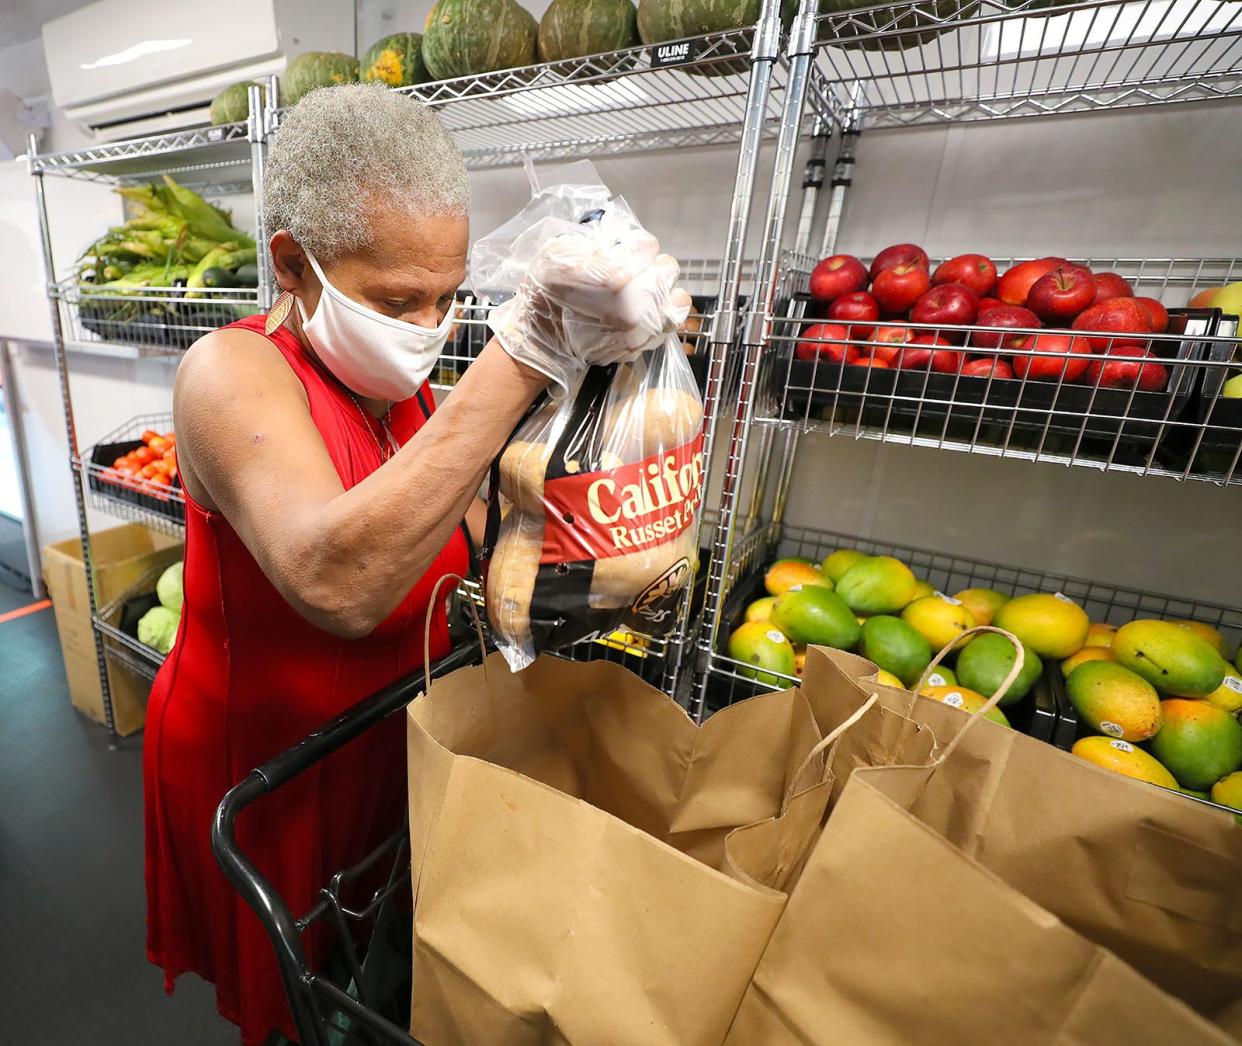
[119, 645]
[946, 61]
[157, 321]
[218, 155]
[154, 505]
[603, 105]
[1048, 407]
[948, 572]
[139, 658]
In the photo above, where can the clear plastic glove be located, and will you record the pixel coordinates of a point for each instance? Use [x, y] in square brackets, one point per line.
[586, 292]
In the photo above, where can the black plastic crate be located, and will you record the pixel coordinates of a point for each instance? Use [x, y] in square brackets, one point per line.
[1221, 418]
[950, 404]
[171, 324]
[102, 457]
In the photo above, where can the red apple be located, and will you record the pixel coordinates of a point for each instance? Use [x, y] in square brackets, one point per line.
[986, 303]
[975, 271]
[1001, 316]
[988, 367]
[1061, 294]
[813, 347]
[899, 287]
[870, 361]
[923, 352]
[1012, 288]
[857, 305]
[1110, 285]
[948, 303]
[1110, 372]
[1115, 316]
[898, 254]
[1069, 365]
[840, 274]
[887, 342]
[1156, 313]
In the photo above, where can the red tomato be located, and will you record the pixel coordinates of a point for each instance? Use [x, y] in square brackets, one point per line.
[148, 435]
[170, 455]
[171, 437]
[158, 444]
[148, 470]
[144, 455]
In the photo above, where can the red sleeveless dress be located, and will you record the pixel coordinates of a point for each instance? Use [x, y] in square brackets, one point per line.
[247, 678]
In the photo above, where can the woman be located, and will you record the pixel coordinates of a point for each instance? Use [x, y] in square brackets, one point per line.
[324, 498]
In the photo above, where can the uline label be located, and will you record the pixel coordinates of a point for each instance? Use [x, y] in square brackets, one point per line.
[678, 53]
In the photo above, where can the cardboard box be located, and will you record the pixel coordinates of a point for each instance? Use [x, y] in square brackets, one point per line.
[121, 557]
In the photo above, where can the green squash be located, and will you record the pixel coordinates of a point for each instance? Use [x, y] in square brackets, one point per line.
[395, 60]
[232, 105]
[576, 28]
[316, 69]
[468, 37]
[662, 20]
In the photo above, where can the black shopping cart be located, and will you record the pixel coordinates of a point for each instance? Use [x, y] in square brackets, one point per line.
[365, 1001]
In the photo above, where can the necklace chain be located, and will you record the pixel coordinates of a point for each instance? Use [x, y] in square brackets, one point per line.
[384, 453]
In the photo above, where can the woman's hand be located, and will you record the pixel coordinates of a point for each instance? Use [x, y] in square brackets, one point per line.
[587, 300]
[344, 559]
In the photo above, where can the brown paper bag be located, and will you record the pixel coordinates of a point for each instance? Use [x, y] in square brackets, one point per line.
[869, 725]
[928, 909]
[566, 825]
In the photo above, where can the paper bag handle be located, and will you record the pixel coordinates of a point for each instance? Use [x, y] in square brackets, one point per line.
[992, 701]
[431, 605]
[821, 745]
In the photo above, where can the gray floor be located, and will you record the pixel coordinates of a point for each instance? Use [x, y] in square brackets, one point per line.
[72, 966]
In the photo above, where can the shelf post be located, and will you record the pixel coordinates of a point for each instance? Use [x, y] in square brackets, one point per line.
[259, 116]
[842, 171]
[765, 49]
[812, 182]
[71, 434]
[757, 329]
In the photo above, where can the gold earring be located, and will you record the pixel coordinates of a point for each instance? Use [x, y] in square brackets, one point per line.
[279, 312]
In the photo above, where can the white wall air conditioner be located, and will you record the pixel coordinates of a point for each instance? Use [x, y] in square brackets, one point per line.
[128, 68]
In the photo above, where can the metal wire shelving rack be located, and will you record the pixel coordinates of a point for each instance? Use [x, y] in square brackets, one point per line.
[942, 62]
[728, 90]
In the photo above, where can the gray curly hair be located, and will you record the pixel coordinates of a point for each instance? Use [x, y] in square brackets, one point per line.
[343, 151]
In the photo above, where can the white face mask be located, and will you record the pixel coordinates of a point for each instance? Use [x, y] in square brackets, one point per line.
[370, 353]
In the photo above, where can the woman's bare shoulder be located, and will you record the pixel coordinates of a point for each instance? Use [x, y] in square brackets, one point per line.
[226, 360]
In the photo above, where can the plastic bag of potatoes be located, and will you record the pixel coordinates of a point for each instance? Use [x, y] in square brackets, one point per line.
[600, 486]
[603, 490]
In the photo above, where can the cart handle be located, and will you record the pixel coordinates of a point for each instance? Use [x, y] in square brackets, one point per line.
[255, 890]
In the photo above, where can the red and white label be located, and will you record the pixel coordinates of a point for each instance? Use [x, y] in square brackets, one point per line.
[627, 509]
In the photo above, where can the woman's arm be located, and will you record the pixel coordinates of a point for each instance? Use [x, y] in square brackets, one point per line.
[344, 559]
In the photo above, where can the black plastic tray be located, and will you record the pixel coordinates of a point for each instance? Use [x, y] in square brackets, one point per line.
[103, 455]
[172, 325]
[1221, 418]
[923, 397]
